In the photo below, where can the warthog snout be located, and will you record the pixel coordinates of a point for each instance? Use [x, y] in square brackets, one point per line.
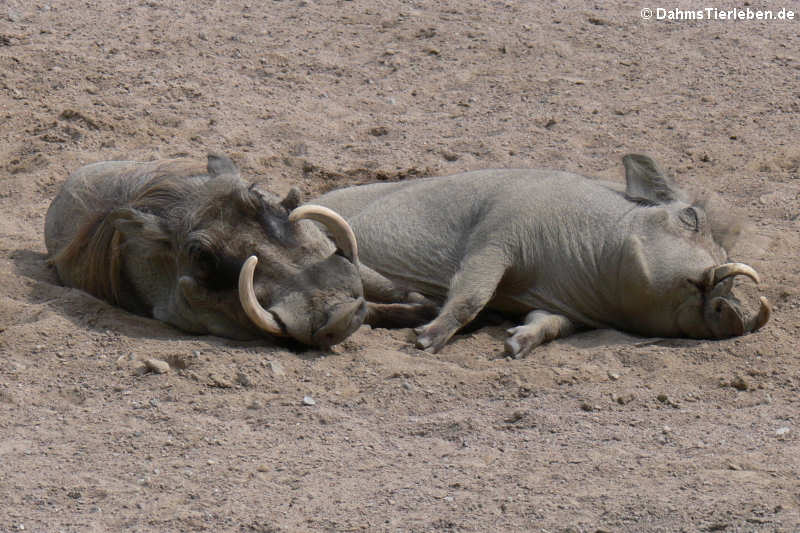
[342, 321]
[722, 311]
[318, 305]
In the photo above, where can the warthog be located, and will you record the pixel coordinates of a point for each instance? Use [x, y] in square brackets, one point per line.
[566, 251]
[195, 246]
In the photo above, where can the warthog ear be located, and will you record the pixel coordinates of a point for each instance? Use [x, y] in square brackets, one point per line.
[293, 199]
[137, 225]
[219, 164]
[646, 181]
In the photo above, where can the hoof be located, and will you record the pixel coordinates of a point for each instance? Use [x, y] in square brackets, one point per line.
[513, 347]
[423, 343]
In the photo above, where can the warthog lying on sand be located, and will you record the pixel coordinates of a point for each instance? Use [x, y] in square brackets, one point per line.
[566, 251]
[193, 245]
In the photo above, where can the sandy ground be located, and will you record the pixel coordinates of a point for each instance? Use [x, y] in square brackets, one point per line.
[598, 432]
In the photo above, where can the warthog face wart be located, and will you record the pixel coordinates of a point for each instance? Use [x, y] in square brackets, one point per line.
[197, 247]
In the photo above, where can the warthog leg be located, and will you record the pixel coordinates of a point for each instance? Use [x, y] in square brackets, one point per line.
[470, 290]
[392, 305]
[378, 288]
[539, 327]
[399, 315]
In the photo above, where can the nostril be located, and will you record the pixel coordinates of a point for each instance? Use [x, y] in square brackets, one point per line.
[343, 321]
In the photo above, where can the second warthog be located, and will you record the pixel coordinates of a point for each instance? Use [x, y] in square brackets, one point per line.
[565, 251]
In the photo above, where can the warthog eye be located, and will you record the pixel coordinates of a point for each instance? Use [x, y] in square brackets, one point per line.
[690, 218]
[215, 271]
[204, 263]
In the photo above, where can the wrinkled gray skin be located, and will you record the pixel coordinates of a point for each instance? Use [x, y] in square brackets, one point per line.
[167, 239]
[565, 251]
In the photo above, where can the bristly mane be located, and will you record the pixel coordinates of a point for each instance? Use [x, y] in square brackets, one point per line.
[97, 244]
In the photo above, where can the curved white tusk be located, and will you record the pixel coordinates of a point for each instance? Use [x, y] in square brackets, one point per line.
[247, 297]
[722, 272]
[764, 312]
[340, 230]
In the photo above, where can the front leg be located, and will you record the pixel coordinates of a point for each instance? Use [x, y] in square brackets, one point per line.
[391, 305]
[539, 327]
[470, 290]
[399, 315]
[378, 288]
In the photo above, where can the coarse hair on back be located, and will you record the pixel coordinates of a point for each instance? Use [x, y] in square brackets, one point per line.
[96, 246]
[94, 255]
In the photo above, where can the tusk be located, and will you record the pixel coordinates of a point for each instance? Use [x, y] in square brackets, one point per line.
[716, 274]
[764, 312]
[340, 230]
[247, 296]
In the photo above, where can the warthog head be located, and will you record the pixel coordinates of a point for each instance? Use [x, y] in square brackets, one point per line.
[675, 272]
[199, 248]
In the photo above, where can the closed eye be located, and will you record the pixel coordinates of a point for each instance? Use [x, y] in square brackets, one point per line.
[690, 218]
[214, 270]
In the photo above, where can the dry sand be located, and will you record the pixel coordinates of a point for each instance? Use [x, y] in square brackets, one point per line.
[597, 432]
